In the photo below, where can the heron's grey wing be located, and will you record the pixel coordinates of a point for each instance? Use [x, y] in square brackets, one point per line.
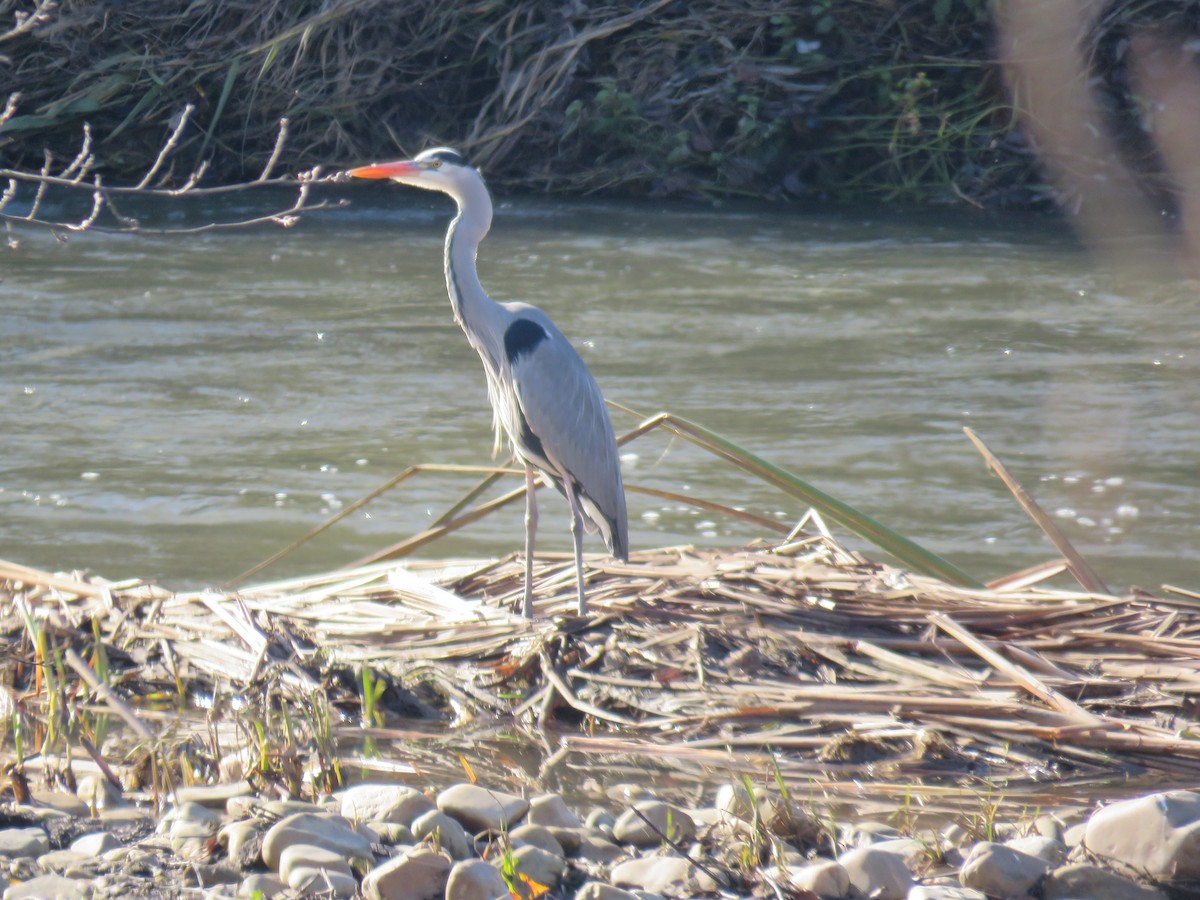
[564, 410]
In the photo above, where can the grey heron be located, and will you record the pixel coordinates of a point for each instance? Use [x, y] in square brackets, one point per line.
[543, 397]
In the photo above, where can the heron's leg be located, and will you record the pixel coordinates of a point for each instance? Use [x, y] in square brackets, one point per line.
[531, 518]
[577, 538]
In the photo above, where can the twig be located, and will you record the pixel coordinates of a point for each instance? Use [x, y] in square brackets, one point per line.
[172, 140]
[108, 695]
[1077, 564]
[274, 158]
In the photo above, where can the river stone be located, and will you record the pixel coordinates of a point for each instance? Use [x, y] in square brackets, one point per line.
[552, 811]
[910, 850]
[16, 842]
[481, 809]
[97, 792]
[568, 838]
[538, 836]
[1049, 849]
[598, 890]
[191, 829]
[242, 842]
[394, 833]
[1094, 883]
[733, 799]
[312, 857]
[877, 873]
[1001, 871]
[538, 865]
[944, 892]
[95, 844]
[61, 861]
[594, 847]
[474, 879]
[319, 881]
[48, 887]
[328, 830]
[447, 833]
[214, 796]
[383, 803]
[261, 885]
[600, 819]
[671, 876]
[658, 821]
[66, 803]
[1158, 834]
[420, 874]
[826, 878]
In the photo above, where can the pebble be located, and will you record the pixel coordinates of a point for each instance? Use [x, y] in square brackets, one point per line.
[594, 847]
[877, 873]
[264, 885]
[48, 887]
[671, 876]
[420, 874]
[538, 836]
[649, 822]
[598, 890]
[481, 809]
[826, 878]
[474, 879]
[444, 832]
[68, 804]
[97, 792]
[1052, 850]
[1158, 834]
[552, 811]
[214, 796]
[192, 829]
[331, 831]
[539, 866]
[944, 892]
[31, 841]
[242, 841]
[384, 803]
[1093, 883]
[311, 858]
[95, 844]
[1001, 871]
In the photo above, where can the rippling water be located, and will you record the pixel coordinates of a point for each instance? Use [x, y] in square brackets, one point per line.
[181, 407]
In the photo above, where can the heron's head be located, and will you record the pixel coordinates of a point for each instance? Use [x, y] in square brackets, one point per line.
[436, 169]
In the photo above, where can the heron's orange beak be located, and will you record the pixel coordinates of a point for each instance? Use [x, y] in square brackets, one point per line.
[385, 170]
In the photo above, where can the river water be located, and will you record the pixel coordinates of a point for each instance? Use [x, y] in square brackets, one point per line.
[179, 408]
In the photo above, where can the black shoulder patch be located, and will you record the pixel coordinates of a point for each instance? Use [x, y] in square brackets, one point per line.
[522, 337]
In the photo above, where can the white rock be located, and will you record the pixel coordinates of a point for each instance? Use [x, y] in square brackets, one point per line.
[62, 861]
[192, 829]
[552, 811]
[648, 822]
[733, 799]
[326, 830]
[1158, 834]
[238, 839]
[910, 850]
[48, 887]
[600, 819]
[479, 808]
[671, 876]
[311, 858]
[1049, 849]
[214, 796]
[1094, 883]
[598, 890]
[538, 836]
[321, 882]
[383, 803]
[420, 874]
[1001, 871]
[474, 879]
[877, 873]
[594, 847]
[538, 865]
[98, 792]
[95, 844]
[825, 878]
[17, 842]
[944, 892]
[63, 802]
[446, 833]
[265, 885]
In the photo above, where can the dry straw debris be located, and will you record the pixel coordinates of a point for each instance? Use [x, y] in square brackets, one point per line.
[845, 669]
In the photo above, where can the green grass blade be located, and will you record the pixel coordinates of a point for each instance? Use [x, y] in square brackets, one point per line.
[906, 551]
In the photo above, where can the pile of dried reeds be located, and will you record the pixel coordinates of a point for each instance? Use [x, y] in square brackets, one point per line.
[844, 668]
[852, 98]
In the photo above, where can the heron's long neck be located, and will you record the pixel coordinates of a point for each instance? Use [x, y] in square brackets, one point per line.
[474, 310]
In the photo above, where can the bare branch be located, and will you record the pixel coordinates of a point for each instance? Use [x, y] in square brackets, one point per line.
[172, 140]
[10, 107]
[83, 159]
[27, 21]
[97, 206]
[279, 142]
